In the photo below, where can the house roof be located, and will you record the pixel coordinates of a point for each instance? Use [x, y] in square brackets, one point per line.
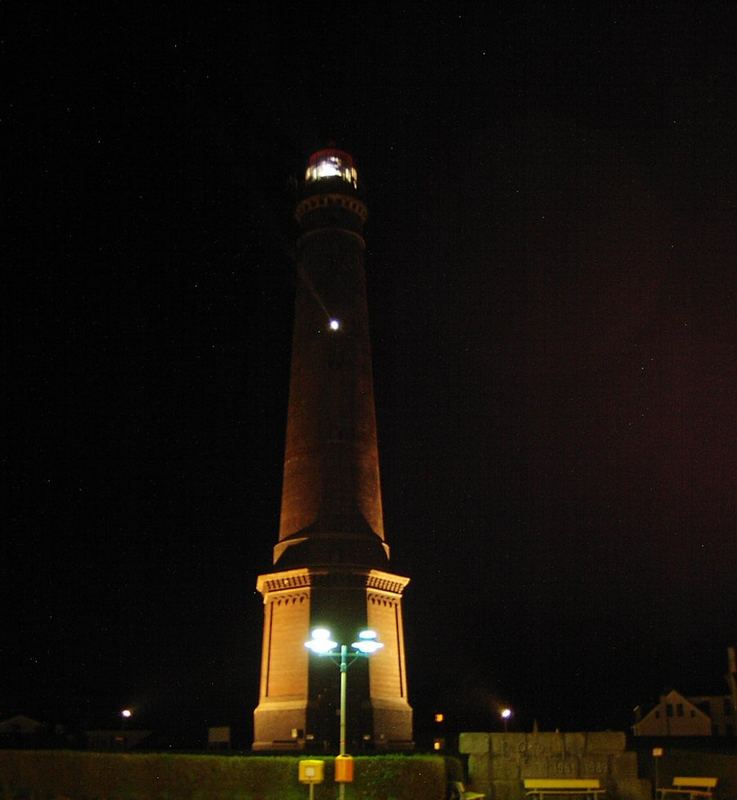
[19, 724]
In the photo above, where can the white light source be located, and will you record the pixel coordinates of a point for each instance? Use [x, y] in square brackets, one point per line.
[366, 646]
[328, 167]
[334, 325]
[321, 643]
[505, 714]
[330, 164]
[367, 642]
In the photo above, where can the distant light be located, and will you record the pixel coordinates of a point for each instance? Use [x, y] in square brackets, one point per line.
[506, 713]
[334, 324]
[126, 712]
[439, 717]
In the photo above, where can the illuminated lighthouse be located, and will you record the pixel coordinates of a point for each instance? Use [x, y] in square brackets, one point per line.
[331, 562]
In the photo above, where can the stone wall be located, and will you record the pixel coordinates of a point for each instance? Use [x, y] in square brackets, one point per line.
[498, 762]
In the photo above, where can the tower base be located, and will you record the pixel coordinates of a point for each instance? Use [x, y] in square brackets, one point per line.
[299, 703]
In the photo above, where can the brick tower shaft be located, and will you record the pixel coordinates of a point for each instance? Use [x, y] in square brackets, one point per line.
[331, 496]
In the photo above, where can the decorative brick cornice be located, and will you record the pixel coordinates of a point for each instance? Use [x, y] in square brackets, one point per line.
[373, 579]
[316, 201]
[282, 581]
[386, 582]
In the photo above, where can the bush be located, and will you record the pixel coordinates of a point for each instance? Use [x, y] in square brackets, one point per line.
[63, 775]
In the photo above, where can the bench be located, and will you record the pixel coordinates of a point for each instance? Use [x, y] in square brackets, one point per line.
[542, 787]
[693, 787]
[457, 791]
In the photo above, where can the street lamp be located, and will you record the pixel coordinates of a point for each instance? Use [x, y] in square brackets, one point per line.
[125, 715]
[505, 714]
[322, 644]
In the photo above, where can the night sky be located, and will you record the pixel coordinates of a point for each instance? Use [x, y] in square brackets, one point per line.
[553, 300]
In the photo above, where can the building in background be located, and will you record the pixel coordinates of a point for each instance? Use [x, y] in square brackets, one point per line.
[694, 715]
[20, 730]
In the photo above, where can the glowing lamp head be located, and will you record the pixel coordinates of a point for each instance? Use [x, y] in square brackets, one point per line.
[126, 713]
[367, 643]
[506, 713]
[321, 643]
[334, 325]
[331, 163]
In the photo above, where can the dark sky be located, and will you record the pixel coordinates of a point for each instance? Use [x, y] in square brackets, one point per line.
[551, 269]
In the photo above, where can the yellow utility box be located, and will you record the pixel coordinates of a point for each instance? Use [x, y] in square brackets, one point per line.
[311, 771]
[344, 769]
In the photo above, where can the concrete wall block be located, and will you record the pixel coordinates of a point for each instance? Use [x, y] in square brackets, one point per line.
[498, 762]
[545, 744]
[506, 790]
[508, 744]
[606, 742]
[574, 743]
[473, 743]
[595, 766]
[624, 766]
[504, 769]
[564, 767]
[534, 768]
[631, 790]
[479, 769]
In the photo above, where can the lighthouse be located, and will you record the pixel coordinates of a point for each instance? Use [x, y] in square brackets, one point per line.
[331, 560]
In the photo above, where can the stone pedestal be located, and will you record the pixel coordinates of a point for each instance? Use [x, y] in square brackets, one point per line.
[499, 762]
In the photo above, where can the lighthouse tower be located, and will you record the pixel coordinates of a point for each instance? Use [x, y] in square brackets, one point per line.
[331, 562]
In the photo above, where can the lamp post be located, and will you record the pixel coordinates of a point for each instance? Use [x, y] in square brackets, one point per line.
[505, 714]
[125, 715]
[322, 644]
